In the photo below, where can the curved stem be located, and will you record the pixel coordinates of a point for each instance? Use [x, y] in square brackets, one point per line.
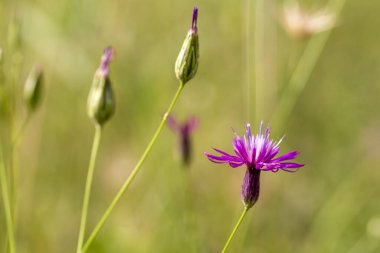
[235, 229]
[87, 191]
[7, 206]
[133, 174]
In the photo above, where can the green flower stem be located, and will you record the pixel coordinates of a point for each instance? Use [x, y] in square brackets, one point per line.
[235, 229]
[87, 191]
[7, 206]
[133, 174]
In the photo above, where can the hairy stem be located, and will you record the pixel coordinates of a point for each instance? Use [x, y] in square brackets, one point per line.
[7, 206]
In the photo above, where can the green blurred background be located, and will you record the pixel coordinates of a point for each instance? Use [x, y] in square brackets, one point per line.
[330, 205]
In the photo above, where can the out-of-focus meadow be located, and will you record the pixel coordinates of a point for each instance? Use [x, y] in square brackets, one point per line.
[330, 205]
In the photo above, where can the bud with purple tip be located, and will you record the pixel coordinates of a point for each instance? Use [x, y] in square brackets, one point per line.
[101, 101]
[187, 61]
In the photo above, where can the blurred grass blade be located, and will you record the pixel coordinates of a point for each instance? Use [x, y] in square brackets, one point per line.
[303, 71]
[7, 206]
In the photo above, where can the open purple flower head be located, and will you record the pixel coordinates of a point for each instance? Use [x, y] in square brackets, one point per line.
[258, 153]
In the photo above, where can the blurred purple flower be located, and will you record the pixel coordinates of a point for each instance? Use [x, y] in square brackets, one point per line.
[184, 131]
[258, 153]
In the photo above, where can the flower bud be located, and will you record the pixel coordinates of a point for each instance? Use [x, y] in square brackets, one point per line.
[187, 61]
[33, 88]
[101, 101]
[250, 189]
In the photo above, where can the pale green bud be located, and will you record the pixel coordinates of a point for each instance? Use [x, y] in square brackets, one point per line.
[33, 89]
[101, 100]
[187, 61]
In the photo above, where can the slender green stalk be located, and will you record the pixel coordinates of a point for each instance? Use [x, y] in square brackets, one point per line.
[235, 229]
[13, 171]
[87, 191]
[259, 52]
[17, 137]
[246, 6]
[303, 70]
[7, 206]
[133, 174]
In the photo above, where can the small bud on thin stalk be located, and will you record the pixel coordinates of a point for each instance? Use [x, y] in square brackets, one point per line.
[101, 100]
[33, 89]
[100, 106]
[185, 69]
[187, 61]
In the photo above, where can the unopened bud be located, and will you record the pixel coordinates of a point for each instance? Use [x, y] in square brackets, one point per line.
[101, 101]
[187, 62]
[33, 88]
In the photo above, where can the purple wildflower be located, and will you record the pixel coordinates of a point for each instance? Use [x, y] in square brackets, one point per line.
[184, 131]
[258, 153]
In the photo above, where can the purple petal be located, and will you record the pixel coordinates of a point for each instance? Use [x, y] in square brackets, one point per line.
[288, 156]
[261, 128]
[232, 161]
[231, 157]
[240, 149]
[291, 165]
[249, 135]
[223, 158]
[235, 165]
[216, 159]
